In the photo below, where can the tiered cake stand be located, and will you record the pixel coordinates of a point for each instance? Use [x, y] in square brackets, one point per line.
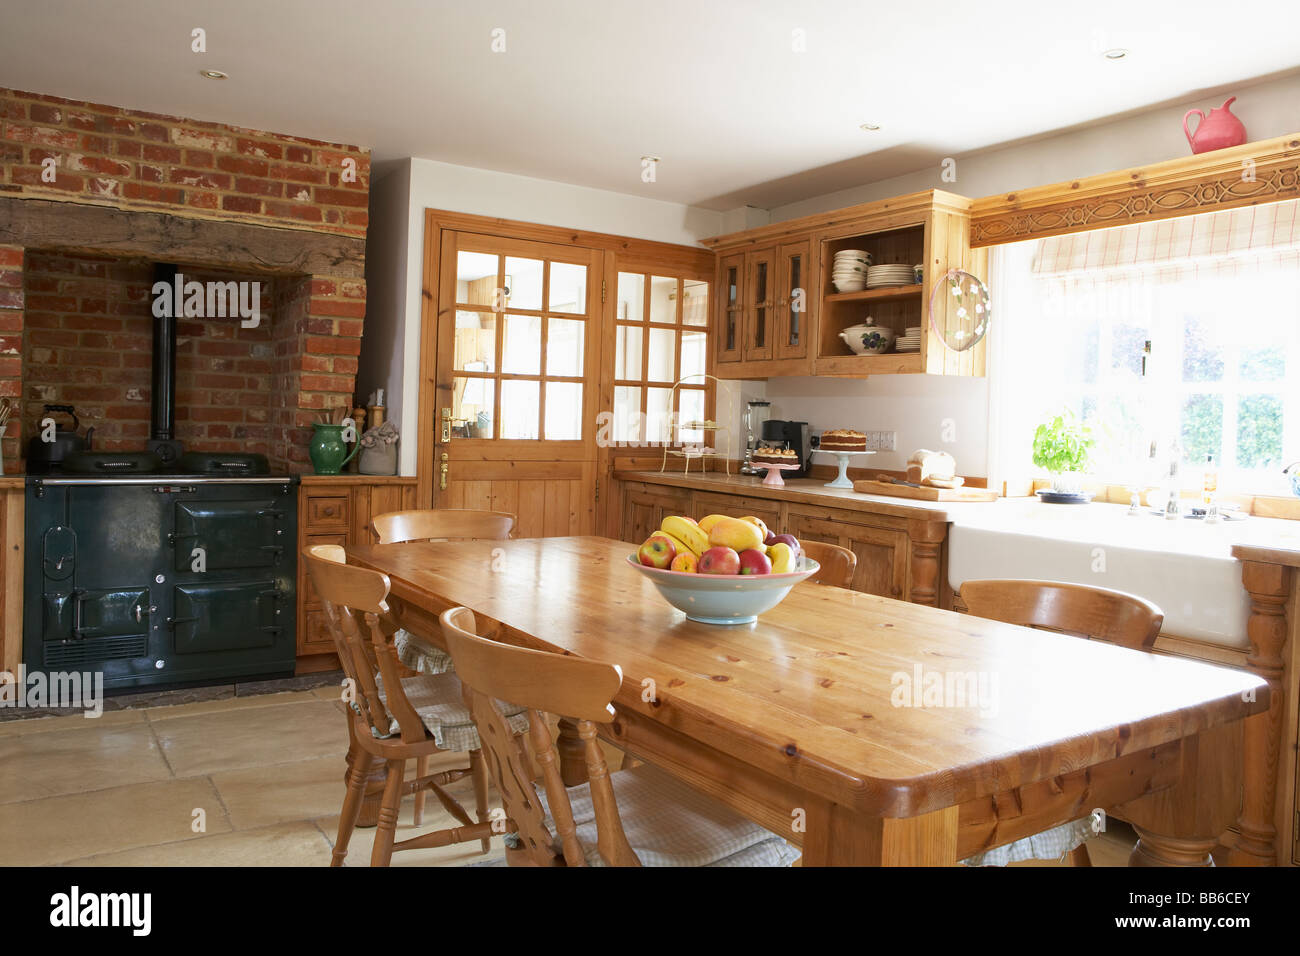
[842, 480]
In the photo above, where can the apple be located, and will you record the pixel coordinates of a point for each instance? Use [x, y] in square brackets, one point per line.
[735, 533]
[769, 540]
[686, 562]
[719, 560]
[754, 561]
[657, 552]
[783, 558]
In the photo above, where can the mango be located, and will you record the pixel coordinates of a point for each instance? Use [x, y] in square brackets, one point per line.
[736, 534]
[708, 521]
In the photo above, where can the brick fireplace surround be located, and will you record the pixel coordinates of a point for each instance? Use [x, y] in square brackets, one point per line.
[130, 189]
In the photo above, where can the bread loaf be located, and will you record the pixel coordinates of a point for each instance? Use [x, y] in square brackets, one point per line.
[925, 464]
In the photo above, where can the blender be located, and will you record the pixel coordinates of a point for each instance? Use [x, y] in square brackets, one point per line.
[756, 414]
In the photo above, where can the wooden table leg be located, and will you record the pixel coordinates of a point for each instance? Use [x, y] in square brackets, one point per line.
[573, 761]
[1180, 825]
[839, 837]
[1269, 586]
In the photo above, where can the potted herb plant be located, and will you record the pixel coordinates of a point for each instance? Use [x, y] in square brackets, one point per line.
[1063, 445]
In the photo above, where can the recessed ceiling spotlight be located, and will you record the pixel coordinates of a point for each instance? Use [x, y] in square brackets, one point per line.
[213, 74]
[870, 127]
[1115, 53]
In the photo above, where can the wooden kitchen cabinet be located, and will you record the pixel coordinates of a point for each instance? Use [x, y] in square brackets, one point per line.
[644, 510]
[790, 313]
[767, 266]
[882, 552]
[336, 509]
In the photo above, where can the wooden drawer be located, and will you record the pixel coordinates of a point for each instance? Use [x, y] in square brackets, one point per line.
[314, 635]
[327, 511]
[882, 553]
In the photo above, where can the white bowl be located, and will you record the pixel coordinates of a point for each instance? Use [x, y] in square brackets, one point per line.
[849, 285]
[725, 598]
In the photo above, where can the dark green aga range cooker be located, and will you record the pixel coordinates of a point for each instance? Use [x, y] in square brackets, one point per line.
[161, 579]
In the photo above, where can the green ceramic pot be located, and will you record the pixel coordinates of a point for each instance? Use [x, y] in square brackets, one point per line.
[329, 453]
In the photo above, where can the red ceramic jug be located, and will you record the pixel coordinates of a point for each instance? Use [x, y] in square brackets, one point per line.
[1219, 130]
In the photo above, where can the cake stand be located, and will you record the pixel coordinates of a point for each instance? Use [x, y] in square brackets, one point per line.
[842, 480]
[773, 479]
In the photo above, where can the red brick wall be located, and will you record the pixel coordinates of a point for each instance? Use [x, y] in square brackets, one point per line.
[89, 339]
[247, 389]
[124, 158]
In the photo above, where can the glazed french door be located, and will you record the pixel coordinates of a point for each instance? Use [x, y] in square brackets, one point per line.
[516, 380]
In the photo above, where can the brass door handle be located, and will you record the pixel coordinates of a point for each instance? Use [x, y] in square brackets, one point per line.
[442, 472]
[446, 425]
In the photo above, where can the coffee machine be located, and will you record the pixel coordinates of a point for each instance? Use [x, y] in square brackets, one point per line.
[756, 416]
[790, 435]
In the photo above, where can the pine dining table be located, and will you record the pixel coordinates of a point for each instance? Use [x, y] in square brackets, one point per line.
[865, 730]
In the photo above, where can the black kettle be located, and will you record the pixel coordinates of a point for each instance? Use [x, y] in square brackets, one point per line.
[42, 454]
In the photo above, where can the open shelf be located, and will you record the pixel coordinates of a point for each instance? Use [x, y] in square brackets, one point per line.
[885, 292]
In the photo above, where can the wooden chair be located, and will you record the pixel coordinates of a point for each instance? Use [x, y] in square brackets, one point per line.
[442, 524]
[1099, 614]
[445, 524]
[628, 818]
[837, 564]
[392, 719]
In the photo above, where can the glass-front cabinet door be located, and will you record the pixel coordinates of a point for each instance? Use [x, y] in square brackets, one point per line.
[793, 295]
[731, 307]
[761, 286]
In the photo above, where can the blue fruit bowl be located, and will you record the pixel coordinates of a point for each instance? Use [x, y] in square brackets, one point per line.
[725, 598]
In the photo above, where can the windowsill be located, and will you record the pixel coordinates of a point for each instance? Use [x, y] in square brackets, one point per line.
[1270, 505]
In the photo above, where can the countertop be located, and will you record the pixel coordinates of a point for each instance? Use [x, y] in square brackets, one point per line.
[1273, 540]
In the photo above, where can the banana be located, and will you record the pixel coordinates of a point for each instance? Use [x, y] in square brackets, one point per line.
[689, 532]
[678, 544]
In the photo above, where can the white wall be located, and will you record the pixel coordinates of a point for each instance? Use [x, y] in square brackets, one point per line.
[395, 255]
[382, 347]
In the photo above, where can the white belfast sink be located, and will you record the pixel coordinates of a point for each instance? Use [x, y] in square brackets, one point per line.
[1184, 566]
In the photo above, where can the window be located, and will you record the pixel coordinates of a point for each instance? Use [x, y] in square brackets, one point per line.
[661, 338]
[1184, 330]
[521, 328]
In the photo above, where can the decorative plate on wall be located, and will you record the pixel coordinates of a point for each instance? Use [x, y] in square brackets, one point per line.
[959, 310]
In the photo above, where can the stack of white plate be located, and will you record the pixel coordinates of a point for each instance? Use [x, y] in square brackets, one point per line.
[910, 341]
[849, 271]
[890, 274]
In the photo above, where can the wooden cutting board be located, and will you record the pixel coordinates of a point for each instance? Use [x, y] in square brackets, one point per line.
[871, 487]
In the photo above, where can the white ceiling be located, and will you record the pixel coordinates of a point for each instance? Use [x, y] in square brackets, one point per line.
[585, 88]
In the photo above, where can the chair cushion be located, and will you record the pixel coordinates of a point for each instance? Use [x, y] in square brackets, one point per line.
[1048, 845]
[419, 655]
[437, 700]
[670, 824]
